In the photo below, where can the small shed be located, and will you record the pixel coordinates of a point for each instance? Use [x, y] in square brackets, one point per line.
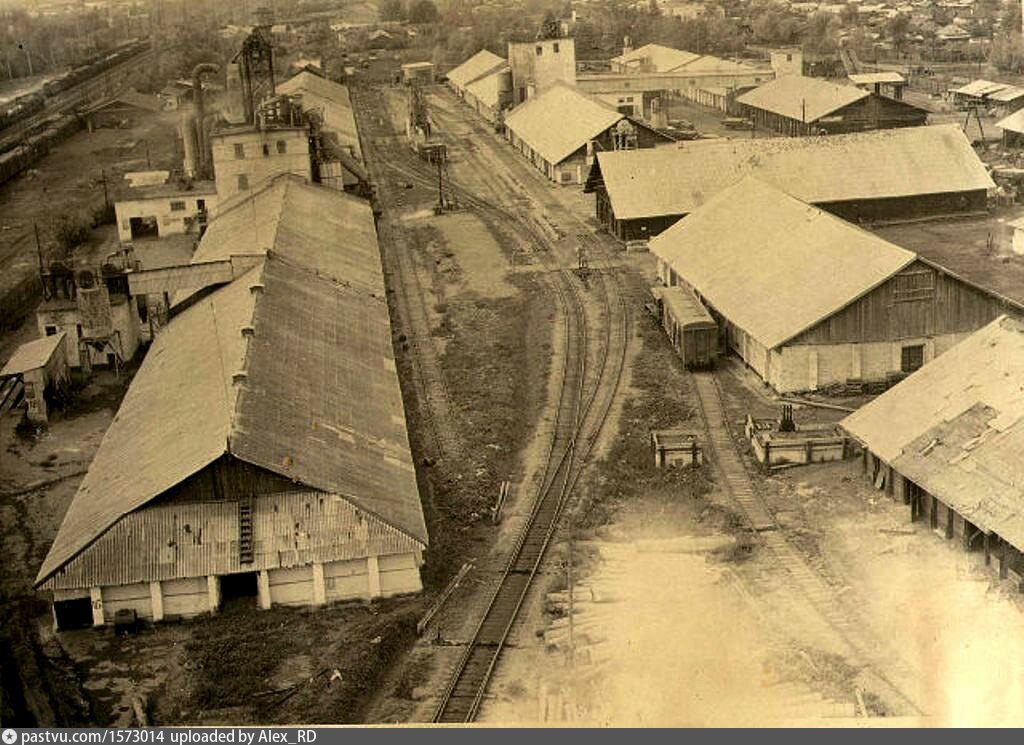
[418, 72]
[690, 327]
[121, 110]
[42, 365]
[676, 447]
[1018, 236]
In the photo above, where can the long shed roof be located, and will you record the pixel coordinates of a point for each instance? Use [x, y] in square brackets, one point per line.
[32, 355]
[560, 120]
[802, 98]
[764, 271]
[285, 368]
[871, 165]
[480, 64]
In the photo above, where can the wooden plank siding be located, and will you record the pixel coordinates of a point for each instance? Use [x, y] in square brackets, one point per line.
[857, 210]
[226, 479]
[873, 112]
[901, 309]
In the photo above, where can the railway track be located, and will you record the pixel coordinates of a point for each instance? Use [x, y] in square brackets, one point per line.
[842, 618]
[838, 614]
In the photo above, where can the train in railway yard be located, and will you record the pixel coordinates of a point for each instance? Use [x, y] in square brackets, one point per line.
[29, 104]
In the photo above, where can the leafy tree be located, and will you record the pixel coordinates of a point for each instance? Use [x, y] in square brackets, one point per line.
[820, 35]
[849, 16]
[71, 231]
[391, 10]
[423, 11]
[898, 31]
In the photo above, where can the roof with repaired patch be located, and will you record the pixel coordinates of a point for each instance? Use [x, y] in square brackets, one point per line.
[987, 367]
[657, 56]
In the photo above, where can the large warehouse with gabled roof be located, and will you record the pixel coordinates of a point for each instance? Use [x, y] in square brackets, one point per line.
[560, 128]
[261, 448]
[886, 175]
[808, 300]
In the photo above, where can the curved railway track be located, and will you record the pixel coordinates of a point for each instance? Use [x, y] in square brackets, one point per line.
[888, 674]
[588, 380]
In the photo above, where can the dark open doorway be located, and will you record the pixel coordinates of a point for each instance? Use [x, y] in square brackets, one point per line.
[239, 589]
[144, 227]
[73, 614]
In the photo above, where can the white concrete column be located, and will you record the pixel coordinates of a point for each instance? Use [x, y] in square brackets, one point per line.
[373, 575]
[213, 592]
[812, 369]
[319, 586]
[264, 589]
[156, 599]
[855, 363]
[96, 596]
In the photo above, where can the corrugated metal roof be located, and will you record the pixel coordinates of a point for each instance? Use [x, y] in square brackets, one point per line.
[480, 64]
[131, 98]
[985, 368]
[320, 228]
[560, 120]
[32, 355]
[759, 256]
[871, 165]
[659, 57]
[199, 539]
[319, 402]
[329, 97]
[174, 419]
[801, 98]
[974, 463]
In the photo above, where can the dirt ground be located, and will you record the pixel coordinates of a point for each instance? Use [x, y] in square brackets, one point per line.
[67, 180]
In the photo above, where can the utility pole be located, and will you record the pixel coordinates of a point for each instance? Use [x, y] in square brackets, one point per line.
[106, 196]
[39, 253]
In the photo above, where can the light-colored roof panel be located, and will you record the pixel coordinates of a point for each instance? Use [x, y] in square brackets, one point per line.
[480, 64]
[1013, 123]
[986, 368]
[659, 57]
[887, 163]
[802, 98]
[978, 88]
[32, 355]
[758, 256]
[560, 120]
[869, 78]
[485, 88]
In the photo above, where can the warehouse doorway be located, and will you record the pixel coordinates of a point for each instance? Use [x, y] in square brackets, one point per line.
[241, 589]
[73, 614]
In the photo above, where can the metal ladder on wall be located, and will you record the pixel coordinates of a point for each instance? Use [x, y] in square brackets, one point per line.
[245, 541]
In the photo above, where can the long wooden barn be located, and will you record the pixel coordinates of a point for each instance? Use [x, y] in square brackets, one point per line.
[261, 449]
[808, 300]
[798, 106]
[917, 172]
